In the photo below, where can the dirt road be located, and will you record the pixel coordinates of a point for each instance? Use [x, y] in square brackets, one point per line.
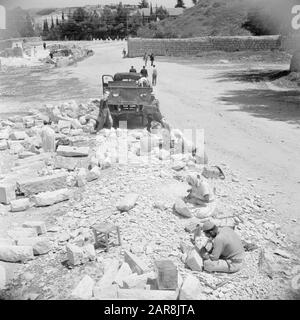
[251, 127]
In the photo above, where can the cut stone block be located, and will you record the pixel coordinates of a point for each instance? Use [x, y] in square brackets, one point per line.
[7, 193]
[7, 242]
[4, 134]
[18, 233]
[80, 255]
[191, 289]
[136, 265]
[18, 135]
[63, 124]
[135, 281]
[194, 261]
[40, 226]
[25, 154]
[138, 294]
[15, 147]
[181, 208]
[94, 174]
[67, 151]
[75, 124]
[106, 281]
[65, 163]
[16, 253]
[48, 139]
[123, 273]
[42, 184]
[40, 245]
[50, 198]
[3, 278]
[19, 205]
[81, 178]
[84, 289]
[167, 275]
[128, 202]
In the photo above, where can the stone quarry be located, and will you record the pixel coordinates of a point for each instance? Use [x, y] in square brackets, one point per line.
[59, 180]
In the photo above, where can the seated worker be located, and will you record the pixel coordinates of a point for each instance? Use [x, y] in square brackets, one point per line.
[104, 119]
[227, 252]
[132, 69]
[144, 72]
[200, 192]
[143, 82]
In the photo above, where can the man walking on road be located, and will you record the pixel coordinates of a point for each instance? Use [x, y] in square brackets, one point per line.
[144, 72]
[154, 75]
[152, 59]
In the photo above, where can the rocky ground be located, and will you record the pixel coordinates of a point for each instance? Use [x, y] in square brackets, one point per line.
[150, 229]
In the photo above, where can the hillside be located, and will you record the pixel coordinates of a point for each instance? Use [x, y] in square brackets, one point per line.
[211, 18]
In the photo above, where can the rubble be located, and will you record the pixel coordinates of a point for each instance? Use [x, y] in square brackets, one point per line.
[18, 233]
[40, 245]
[50, 198]
[16, 253]
[80, 255]
[135, 263]
[194, 261]
[7, 242]
[3, 145]
[191, 289]
[7, 193]
[124, 272]
[128, 202]
[18, 135]
[48, 139]
[65, 163]
[2, 277]
[182, 209]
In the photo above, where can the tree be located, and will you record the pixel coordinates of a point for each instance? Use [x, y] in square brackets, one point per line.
[180, 4]
[79, 15]
[63, 16]
[52, 23]
[46, 27]
[144, 4]
[161, 13]
[57, 21]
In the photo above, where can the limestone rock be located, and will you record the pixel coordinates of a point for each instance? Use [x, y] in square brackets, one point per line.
[18, 233]
[93, 174]
[67, 151]
[123, 273]
[65, 163]
[64, 124]
[7, 193]
[19, 205]
[135, 263]
[4, 134]
[42, 184]
[80, 255]
[167, 275]
[15, 147]
[135, 281]
[40, 226]
[7, 242]
[40, 245]
[75, 124]
[18, 135]
[16, 253]
[128, 202]
[179, 165]
[52, 197]
[84, 289]
[3, 145]
[194, 261]
[191, 289]
[182, 209]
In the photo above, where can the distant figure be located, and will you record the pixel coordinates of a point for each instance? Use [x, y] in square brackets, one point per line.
[145, 58]
[51, 55]
[124, 53]
[152, 59]
[144, 82]
[132, 69]
[44, 45]
[34, 50]
[154, 75]
[104, 119]
[144, 72]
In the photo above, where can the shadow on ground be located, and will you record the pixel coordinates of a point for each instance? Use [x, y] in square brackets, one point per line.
[266, 103]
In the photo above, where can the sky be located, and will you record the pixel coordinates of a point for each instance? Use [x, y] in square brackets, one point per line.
[25, 4]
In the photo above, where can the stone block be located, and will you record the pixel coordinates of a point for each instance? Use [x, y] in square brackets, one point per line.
[135, 263]
[4, 134]
[75, 124]
[19, 205]
[52, 197]
[110, 293]
[48, 139]
[194, 261]
[67, 151]
[123, 273]
[84, 289]
[18, 233]
[93, 174]
[16, 253]
[65, 163]
[7, 242]
[3, 145]
[80, 255]
[64, 124]
[135, 281]
[167, 275]
[128, 202]
[182, 209]
[18, 135]
[7, 192]
[37, 185]
[191, 289]
[40, 245]
[40, 226]
[81, 178]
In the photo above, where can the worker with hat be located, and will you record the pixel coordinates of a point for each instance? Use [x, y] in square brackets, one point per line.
[104, 119]
[227, 252]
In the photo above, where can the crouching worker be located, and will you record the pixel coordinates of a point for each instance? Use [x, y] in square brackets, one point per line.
[227, 251]
[104, 119]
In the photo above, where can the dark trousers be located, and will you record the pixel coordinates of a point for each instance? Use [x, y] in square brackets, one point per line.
[154, 80]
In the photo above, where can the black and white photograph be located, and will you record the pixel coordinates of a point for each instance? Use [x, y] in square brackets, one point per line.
[150, 151]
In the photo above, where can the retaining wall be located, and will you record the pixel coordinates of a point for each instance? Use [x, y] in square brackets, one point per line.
[181, 47]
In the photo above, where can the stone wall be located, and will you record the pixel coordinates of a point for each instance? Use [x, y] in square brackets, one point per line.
[291, 43]
[181, 47]
[4, 44]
